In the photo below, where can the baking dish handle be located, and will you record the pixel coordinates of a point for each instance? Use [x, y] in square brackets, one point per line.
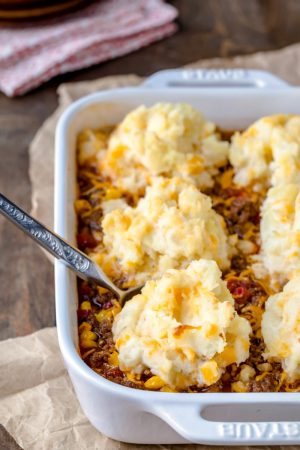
[187, 420]
[243, 78]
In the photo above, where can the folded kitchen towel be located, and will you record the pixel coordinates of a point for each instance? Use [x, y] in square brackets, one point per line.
[35, 52]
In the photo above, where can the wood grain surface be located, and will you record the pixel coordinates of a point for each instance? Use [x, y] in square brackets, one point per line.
[7, 442]
[208, 28]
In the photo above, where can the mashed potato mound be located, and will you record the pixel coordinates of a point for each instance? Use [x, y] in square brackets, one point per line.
[281, 328]
[171, 226]
[91, 144]
[168, 139]
[183, 327]
[268, 152]
[280, 232]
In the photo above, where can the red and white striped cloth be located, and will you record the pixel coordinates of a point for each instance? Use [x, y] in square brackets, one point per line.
[38, 51]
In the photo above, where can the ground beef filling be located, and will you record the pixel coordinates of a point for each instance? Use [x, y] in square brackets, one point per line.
[98, 307]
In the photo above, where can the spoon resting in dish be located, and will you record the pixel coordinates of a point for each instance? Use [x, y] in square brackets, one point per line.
[73, 258]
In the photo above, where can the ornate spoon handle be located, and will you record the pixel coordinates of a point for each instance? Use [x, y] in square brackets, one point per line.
[77, 261]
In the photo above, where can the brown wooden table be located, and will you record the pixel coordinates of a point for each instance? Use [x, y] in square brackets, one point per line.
[208, 28]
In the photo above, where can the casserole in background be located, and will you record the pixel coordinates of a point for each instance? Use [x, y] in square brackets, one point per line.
[123, 413]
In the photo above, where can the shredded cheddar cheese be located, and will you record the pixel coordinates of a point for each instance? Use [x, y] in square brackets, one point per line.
[253, 240]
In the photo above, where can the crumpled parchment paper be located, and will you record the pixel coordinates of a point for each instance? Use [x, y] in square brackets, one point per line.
[38, 406]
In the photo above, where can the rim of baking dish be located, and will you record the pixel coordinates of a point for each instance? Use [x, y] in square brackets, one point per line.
[62, 273]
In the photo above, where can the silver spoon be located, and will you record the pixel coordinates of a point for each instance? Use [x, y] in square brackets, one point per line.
[76, 260]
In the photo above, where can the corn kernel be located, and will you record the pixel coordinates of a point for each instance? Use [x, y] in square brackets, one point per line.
[166, 389]
[131, 377]
[113, 359]
[154, 383]
[82, 205]
[112, 193]
[84, 327]
[86, 306]
[238, 386]
[102, 290]
[86, 334]
[110, 313]
[88, 343]
[102, 315]
[226, 179]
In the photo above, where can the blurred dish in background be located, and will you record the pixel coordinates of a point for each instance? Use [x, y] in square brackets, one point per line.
[15, 10]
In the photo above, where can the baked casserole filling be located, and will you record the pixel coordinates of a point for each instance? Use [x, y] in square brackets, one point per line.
[207, 221]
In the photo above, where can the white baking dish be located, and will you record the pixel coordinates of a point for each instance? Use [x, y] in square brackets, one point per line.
[152, 417]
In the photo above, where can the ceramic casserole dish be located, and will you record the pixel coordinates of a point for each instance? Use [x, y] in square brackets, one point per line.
[233, 99]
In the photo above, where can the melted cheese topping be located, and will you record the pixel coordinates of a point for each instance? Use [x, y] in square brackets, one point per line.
[173, 140]
[281, 328]
[171, 226]
[183, 327]
[268, 152]
[280, 232]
